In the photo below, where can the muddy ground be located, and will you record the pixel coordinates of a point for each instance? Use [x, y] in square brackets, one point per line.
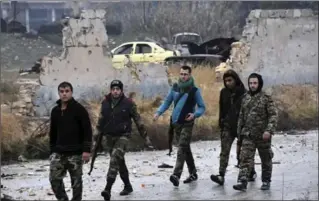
[295, 177]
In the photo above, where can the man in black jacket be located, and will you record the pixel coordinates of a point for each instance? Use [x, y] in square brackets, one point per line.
[70, 142]
[229, 107]
[115, 123]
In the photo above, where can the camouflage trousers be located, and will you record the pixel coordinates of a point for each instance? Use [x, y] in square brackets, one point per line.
[59, 165]
[183, 134]
[247, 156]
[116, 146]
[227, 140]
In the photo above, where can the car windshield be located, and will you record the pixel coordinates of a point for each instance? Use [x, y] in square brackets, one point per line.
[188, 38]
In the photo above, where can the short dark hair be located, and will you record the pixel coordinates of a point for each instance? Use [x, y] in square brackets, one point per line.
[65, 84]
[187, 68]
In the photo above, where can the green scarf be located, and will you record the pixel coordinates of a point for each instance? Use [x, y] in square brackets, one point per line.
[115, 101]
[186, 86]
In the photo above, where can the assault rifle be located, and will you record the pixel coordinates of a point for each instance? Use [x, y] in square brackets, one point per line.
[96, 148]
[170, 137]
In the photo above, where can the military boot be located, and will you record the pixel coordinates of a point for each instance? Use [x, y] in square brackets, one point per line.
[219, 179]
[174, 179]
[241, 186]
[191, 178]
[265, 186]
[252, 176]
[127, 185]
[106, 193]
[127, 190]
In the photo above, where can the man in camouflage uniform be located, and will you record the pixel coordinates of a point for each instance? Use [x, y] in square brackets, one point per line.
[185, 96]
[256, 125]
[115, 123]
[70, 142]
[229, 106]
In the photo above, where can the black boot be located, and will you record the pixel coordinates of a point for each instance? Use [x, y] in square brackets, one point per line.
[174, 179]
[127, 184]
[241, 186]
[127, 190]
[265, 186]
[191, 178]
[219, 179]
[252, 176]
[106, 193]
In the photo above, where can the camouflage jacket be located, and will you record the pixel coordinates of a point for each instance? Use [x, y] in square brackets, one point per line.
[116, 120]
[258, 114]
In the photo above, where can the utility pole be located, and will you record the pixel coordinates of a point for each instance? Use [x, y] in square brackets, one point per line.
[14, 5]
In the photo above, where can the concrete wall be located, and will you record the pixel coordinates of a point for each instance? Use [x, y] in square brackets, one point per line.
[281, 45]
[85, 65]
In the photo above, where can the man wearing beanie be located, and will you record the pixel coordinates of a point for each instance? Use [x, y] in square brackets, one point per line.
[229, 106]
[256, 124]
[185, 96]
[115, 123]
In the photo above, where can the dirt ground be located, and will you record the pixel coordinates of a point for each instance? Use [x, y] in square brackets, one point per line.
[295, 177]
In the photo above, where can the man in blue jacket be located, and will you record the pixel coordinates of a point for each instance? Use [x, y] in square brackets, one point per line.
[185, 96]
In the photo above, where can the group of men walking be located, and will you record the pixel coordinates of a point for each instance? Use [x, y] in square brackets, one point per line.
[250, 116]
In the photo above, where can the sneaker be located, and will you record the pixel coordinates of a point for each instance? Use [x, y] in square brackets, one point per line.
[265, 186]
[106, 195]
[174, 179]
[240, 186]
[127, 190]
[191, 178]
[217, 179]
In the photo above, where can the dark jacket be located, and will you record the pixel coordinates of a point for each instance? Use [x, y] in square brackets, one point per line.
[230, 103]
[117, 121]
[70, 129]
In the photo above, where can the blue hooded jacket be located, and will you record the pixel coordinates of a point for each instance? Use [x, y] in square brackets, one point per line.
[178, 109]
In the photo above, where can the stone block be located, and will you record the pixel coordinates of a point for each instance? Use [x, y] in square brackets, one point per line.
[93, 14]
[283, 13]
[264, 14]
[274, 13]
[290, 13]
[306, 13]
[296, 13]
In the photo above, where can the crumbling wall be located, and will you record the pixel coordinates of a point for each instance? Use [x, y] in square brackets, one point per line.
[85, 64]
[282, 45]
[20, 52]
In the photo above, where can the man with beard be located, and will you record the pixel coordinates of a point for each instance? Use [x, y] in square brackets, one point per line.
[70, 143]
[229, 106]
[115, 123]
[185, 96]
[256, 124]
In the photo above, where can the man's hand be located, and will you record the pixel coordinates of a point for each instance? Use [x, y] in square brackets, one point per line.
[189, 117]
[86, 157]
[155, 117]
[266, 136]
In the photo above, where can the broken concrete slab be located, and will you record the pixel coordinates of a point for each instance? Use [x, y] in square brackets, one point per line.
[85, 64]
[281, 45]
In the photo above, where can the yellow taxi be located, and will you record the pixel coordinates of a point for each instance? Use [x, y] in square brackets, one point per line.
[140, 52]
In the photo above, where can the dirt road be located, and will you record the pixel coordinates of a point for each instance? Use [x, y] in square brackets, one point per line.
[296, 177]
